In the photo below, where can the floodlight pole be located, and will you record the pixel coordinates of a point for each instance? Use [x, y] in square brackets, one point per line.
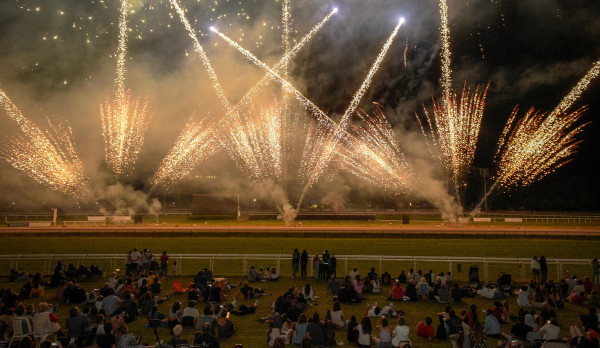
[484, 172]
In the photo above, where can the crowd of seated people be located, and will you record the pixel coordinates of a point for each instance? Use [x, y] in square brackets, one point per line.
[102, 315]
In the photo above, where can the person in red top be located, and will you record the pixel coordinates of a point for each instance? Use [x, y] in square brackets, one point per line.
[425, 330]
[588, 285]
[397, 293]
[498, 310]
[164, 262]
[577, 299]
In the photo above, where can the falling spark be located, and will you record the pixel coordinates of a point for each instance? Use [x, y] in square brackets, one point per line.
[535, 146]
[327, 151]
[124, 118]
[576, 92]
[244, 108]
[405, 50]
[446, 54]
[374, 154]
[452, 133]
[196, 142]
[48, 157]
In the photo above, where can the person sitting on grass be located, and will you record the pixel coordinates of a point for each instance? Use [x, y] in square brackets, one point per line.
[205, 338]
[300, 329]
[316, 330]
[107, 339]
[400, 334]
[225, 327]
[397, 292]
[333, 285]
[477, 337]
[357, 284]
[175, 314]
[347, 294]
[177, 340]
[425, 330]
[364, 330]
[309, 293]
[577, 299]
[253, 275]
[250, 292]
[272, 274]
[492, 325]
[190, 315]
[443, 296]
[385, 334]
[337, 316]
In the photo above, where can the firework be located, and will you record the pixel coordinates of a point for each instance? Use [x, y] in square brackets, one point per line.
[576, 92]
[535, 146]
[48, 157]
[446, 55]
[452, 133]
[374, 155]
[196, 142]
[124, 118]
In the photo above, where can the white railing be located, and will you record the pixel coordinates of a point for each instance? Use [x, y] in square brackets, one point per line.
[238, 264]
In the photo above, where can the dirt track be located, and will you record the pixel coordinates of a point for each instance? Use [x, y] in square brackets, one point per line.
[309, 232]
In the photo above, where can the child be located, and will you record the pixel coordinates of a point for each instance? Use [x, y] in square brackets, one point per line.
[174, 269]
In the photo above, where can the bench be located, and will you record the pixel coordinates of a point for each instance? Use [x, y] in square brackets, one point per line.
[482, 219]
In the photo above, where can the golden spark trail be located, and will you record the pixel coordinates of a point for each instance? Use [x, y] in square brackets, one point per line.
[454, 129]
[576, 92]
[178, 154]
[196, 142]
[125, 118]
[48, 157]
[239, 148]
[446, 54]
[326, 153]
[539, 143]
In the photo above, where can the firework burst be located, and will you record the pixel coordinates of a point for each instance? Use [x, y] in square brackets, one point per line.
[47, 156]
[451, 132]
[124, 118]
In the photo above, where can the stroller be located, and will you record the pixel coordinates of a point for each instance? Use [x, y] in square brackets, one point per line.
[505, 283]
[474, 274]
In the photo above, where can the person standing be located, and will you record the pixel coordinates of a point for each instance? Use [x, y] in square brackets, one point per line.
[164, 264]
[543, 269]
[535, 269]
[332, 266]
[596, 271]
[303, 263]
[295, 262]
[324, 268]
[316, 266]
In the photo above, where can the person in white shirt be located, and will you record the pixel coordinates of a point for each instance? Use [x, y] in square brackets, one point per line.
[190, 315]
[551, 330]
[535, 269]
[353, 274]
[523, 297]
[400, 334]
[337, 316]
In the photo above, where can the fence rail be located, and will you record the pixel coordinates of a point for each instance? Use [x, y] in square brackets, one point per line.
[238, 264]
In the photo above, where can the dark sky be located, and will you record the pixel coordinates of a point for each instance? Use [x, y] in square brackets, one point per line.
[58, 56]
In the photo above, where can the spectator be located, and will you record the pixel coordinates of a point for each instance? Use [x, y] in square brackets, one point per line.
[107, 339]
[385, 334]
[164, 264]
[364, 330]
[543, 269]
[590, 320]
[175, 314]
[443, 296]
[205, 338]
[333, 285]
[337, 316]
[253, 275]
[477, 338]
[273, 333]
[316, 330]
[351, 330]
[190, 315]
[425, 330]
[492, 325]
[208, 317]
[125, 339]
[471, 316]
[400, 334]
[177, 340]
[110, 302]
[26, 321]
[535, 269]
[596, 271]
[397, 292]
[295, 263]
[551, 330]
[424, 288]
[303, 263]
[53, 325]
[300, 329]
[76, 325]
[225, 327]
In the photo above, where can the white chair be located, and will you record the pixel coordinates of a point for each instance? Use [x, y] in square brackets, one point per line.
[19, 333]
[41, 328]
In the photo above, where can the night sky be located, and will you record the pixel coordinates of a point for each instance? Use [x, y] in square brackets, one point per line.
[58, 58]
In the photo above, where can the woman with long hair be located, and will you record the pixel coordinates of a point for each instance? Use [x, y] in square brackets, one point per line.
[364, 330]
[478, 338]
[385, 334]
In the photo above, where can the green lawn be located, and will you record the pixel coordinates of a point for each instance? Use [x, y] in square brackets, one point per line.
[251, 333]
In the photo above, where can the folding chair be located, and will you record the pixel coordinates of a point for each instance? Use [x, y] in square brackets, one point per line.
[177, 288]
[18, 329]
[41, 327]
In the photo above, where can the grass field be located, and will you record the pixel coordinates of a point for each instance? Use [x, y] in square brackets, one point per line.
[253, 334]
